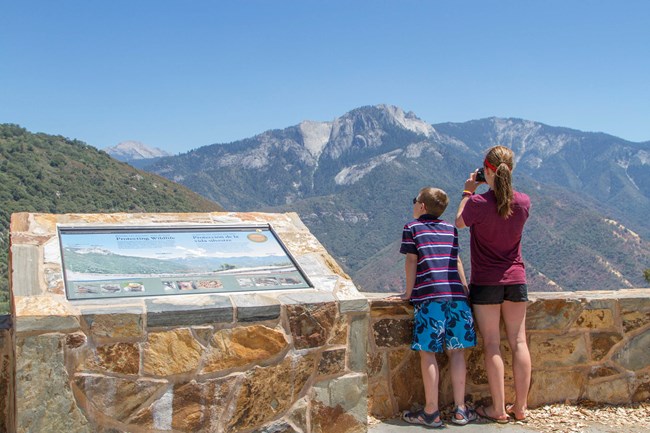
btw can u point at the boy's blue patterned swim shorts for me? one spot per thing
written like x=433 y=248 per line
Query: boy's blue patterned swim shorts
x=443 y=324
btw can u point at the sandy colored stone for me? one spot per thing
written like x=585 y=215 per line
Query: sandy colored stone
x=642 y=388
x=115 y=397
x=392 y=332
x=612 y=391
x=42 y=388
x=171 y=352
x=311 y=324
x=599 y=372
x=552 y=314
x=406 y=382
x=266 y=393
x=596 y=319
x=556 y=351
x=601 y=344
x=123 y=358
x=277 y=427
x=380 y=308
x=197 y=406
x=633 y=320
x=116 y=325
x=241 y=346
x=634 y=354
x=339 y=334
x=332 y=362
x=548 y=386
x=375 y=364
x=298 y=414
x=380 y=400
x=327 y=419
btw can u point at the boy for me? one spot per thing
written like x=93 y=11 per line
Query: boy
x=436 y=285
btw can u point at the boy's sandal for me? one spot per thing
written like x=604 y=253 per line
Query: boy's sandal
x=483 y=414
x=511 y=411
x=467 y=415
x=423 y=418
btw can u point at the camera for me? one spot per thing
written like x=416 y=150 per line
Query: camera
x=480 y=175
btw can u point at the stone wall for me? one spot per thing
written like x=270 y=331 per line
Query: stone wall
x=584 y=346
x=275 y=361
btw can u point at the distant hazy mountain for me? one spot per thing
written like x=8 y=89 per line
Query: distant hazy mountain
x=352 y=181
x=52 y=174
x=129 y=151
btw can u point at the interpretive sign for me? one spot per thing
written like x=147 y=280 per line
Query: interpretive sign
x=111 y=262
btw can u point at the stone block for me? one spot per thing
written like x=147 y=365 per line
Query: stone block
x=190 y=310
x=171 y=352
x=118 y=325
x=197 y=406
x=392 y=332
x=358 y=344
x=375 y=364
x=358 y=305
x=552 y=314
x=44 y=314
x=311 y=324
x=339 y=333
x=123 y=358
x=380 y=400
x=258 y=402
x=114 y=397
x=634 y=355
x=635 y=313
x=326 y=419
x=611 y=391
x=6 y=381
x=298 y=414
x=549 y=351
x=389 y=308
x=277 y=427
x=43 y=389
x=340 y=405
x=556 y=386
x=241 y=346
x=25 y=270
x=599 y=319
x=253 y=307
x=332 y=362
x=601 y=344
x=406 y=381
x=641 y=388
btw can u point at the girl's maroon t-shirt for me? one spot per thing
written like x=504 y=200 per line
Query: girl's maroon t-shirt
x=495 y=242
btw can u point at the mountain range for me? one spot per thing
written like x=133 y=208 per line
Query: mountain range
x=352 y=180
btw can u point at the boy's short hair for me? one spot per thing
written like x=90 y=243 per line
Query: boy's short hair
x=435 y=200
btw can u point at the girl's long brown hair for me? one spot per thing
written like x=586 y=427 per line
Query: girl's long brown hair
x=502 y=158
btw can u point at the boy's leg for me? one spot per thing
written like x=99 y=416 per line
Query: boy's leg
x=458 y=371
x=430 y=378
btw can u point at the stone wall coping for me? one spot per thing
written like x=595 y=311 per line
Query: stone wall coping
x=578 y=295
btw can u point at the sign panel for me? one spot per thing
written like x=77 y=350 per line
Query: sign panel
x=111 y=262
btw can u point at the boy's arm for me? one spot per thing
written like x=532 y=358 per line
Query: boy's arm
x=461 y=273
x=410 y=270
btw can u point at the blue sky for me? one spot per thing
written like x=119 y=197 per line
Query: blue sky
x=184 y=74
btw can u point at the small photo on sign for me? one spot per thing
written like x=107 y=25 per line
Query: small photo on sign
x=208 y=284
x=245 y=282
x=266 y=281
x=110 y=288
x=185 y=285
x=169 y=286
x=87 y=288
x=133 y=287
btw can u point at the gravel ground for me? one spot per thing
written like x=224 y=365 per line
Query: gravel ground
x=585 y=417
x=590 y=417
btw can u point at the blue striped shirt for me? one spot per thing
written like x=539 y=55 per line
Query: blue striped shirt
x=435 y=242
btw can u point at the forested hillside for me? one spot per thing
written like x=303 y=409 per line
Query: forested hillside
x=53 y=174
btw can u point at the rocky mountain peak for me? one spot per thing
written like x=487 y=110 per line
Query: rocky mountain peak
x=133 y=151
